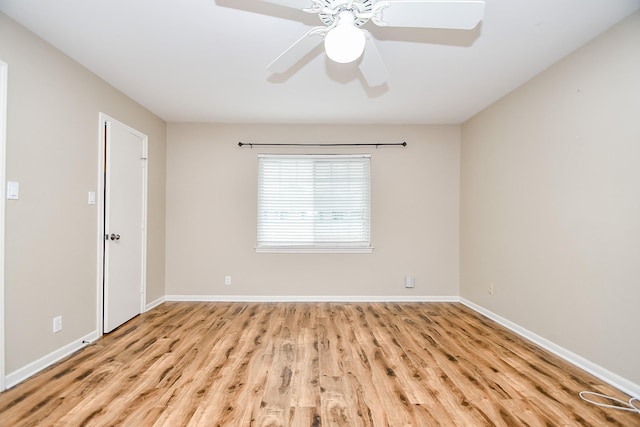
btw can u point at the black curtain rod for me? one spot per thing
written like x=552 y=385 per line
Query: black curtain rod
x=250 y=144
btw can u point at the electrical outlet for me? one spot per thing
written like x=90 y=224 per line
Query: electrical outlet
x=57 y=324
x=227 y=280
x=490 y=289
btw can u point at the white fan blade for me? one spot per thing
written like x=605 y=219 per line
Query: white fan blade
x=296 y=4
x=298 y=50
x=462 y=15
x=372 y=66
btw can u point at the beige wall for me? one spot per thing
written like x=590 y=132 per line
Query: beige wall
x=52 y=151
x=211 y=214
x=550 y=203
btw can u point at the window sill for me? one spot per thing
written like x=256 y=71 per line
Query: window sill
x=292 y=250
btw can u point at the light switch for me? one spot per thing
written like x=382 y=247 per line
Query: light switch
x=13 y=190
x=92 y=198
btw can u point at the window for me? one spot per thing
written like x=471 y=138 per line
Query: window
x=313 y=203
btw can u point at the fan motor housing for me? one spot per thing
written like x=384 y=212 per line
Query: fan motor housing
x=337 y=6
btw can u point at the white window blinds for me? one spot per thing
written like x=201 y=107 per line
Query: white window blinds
x=313 y=201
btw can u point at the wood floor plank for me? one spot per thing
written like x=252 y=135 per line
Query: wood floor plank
x=236 y=376
x=276 y=401
x=336 y=407
x=392 y=395
x=303 y=364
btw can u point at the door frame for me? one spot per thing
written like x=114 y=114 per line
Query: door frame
x=4 y=69
x=100 y=206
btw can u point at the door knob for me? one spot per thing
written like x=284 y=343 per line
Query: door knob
x=114 y=236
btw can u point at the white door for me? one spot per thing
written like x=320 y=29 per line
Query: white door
x=124 y=223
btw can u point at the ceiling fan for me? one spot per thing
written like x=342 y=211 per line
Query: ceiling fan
x=345 y=41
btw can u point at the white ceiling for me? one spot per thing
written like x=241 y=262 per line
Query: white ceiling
x=204 y=60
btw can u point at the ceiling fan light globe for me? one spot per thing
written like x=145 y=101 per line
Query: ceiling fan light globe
x=344 y=43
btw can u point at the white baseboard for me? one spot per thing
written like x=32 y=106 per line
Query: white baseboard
x=598 y=371
x=154 y=303
x=310 y=298
x=33 y=368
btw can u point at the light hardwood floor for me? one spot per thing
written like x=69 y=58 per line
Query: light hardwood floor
x=303 y=364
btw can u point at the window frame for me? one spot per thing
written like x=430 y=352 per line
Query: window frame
x=317 y=247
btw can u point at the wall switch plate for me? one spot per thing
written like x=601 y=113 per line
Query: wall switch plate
x=227 y=280
x=409 y=281
x=13 y=190
x=57 y=324
x=91 y=198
